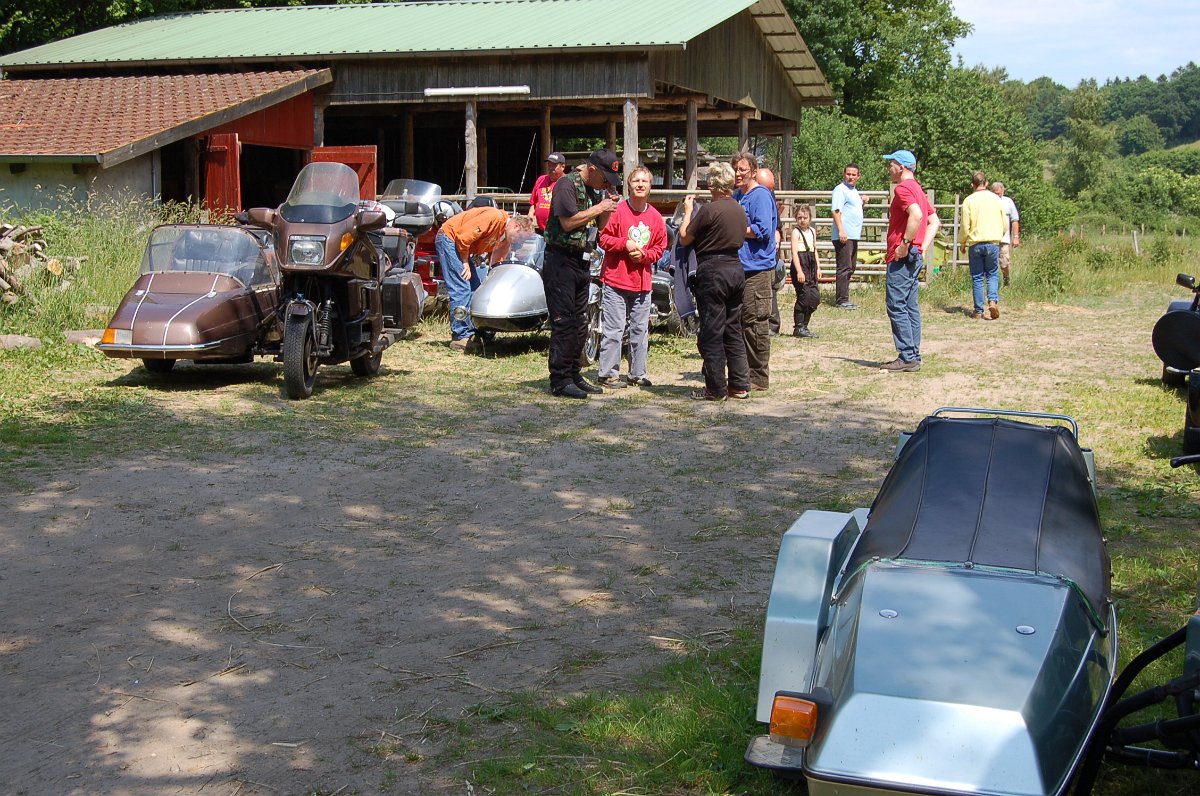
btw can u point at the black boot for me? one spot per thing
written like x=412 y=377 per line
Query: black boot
x=801 y=329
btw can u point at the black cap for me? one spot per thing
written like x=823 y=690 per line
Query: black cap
x=610 y=167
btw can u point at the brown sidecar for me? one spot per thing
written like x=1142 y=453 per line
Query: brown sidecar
x=206 y=293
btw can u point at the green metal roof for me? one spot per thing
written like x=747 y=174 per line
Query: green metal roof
x=388 y=30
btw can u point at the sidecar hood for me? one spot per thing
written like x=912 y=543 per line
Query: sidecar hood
x=957 y=680
x=511 y=290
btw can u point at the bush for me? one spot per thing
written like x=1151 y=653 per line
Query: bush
x=109 y=235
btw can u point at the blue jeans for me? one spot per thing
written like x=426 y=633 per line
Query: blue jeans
x=460 y=290
x=984 y=259
x=903 y=309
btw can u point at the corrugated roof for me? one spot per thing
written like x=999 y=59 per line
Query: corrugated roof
x=389 y=29
x=107 y=120
x=413 y=29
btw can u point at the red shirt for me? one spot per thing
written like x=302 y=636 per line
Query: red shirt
x=627 y=224
x=539 y=197
x=907 y=193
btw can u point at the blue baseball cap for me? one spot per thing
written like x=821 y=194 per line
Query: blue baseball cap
x=905 y=158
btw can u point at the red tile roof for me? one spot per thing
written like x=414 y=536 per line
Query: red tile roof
x=110 y=119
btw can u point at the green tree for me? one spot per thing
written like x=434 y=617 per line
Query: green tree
x=1137 y=135
x=1089 y=145
x=865 y=47
x=1044 y=104
x=825 y=142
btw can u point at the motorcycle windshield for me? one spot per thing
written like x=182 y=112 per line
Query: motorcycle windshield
x=418 y=191
x=324 y=193
x=528 y=252
x=211 y=249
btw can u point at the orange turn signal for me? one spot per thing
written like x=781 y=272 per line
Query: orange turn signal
x=793 y=720
x=347 y=239
x=109 y=336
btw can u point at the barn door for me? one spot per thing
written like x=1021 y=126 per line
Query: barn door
x=359 y=158
x=222 y=173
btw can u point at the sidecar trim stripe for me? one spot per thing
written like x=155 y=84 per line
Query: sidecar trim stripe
x=211 y=291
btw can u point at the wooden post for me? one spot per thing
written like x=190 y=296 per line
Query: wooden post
x=957 y=227
x=629 y=155
x=483 y=156
x=692 y=159
x=408 y=145
x=547 y=142
x=669 y=163
x=318 y=123
x=785 y=159
x=472 y=158
x=743 y=131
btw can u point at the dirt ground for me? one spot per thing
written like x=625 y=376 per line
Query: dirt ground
x=282 y=612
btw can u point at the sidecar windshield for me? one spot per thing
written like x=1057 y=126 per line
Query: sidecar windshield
x=232 y=251
x=528 y=252
x=324 y=193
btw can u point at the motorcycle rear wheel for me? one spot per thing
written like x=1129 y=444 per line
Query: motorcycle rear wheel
x=366 y=365
x=591 y=336
x=299 y=357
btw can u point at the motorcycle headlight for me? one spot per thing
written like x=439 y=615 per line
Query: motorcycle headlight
x=306 y=250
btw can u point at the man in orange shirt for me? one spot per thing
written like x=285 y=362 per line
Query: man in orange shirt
x=478 y=231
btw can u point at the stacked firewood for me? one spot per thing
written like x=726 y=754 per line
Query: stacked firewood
x=23 y=260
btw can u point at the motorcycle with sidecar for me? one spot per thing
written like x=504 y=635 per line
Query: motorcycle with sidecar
x=344 y=298
x=959 y=636
x=1176 y=340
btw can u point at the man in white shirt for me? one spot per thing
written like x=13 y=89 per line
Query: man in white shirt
x=1012 y=235
x=847 y=209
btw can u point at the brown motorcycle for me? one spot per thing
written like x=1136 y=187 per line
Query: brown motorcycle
x=344 y=297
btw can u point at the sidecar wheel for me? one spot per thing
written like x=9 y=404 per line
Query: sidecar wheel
x=299 y=357
x=366 y=366
x=591 y=340
x=158 y=366
x=1173 y=379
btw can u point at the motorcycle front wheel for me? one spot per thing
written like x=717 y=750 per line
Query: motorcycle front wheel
x=299 y=357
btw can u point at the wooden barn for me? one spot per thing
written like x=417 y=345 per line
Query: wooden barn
x=466 y=93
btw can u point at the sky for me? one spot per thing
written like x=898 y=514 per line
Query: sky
x=1070 y=40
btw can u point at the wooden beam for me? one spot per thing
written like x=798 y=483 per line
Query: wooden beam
x=785 y=159
x=630 y=129
x=669 y=164
x=547 y=141
x=692 y=161
x=408 y=148
x=472 y=146
x=610 y=133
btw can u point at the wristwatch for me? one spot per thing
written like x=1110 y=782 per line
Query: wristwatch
x=905 y=242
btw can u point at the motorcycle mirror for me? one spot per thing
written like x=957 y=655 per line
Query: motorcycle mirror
x=369 y=220
x=1186 y=280
x=260 y=216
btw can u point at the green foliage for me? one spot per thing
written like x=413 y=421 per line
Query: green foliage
x=826 y=141
x=1089 y=146
x=865 y=48
x=957 y=125
x=1137 y=135
x=109 y=235
x=1044 y=104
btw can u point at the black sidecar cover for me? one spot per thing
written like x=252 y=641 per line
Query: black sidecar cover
x=1024 y=488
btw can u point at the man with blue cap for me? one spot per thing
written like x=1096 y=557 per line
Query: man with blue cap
x=912 y=226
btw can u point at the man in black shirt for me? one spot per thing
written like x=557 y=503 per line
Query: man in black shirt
x=578 y=203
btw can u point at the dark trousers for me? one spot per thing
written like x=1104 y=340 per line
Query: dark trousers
x=808 y=294
x=756 y=316
x=720 y=284
x=567 y=280
x=845 y=253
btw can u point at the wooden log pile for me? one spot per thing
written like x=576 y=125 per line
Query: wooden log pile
x=23 y=260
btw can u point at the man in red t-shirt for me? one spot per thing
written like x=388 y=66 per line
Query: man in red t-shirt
x=912 y=226
x=543 y=189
